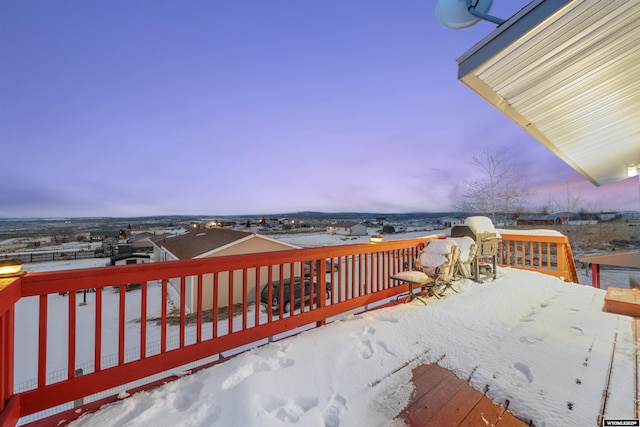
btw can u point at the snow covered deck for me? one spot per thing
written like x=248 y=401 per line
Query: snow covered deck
x=527 y=342
x=519 y=338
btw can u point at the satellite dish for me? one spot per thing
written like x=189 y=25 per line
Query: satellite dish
x=459 y=14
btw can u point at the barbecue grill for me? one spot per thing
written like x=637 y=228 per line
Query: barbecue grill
x=487 y=249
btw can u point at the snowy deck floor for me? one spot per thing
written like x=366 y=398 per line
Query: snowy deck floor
x=525 y=345
x=441 y=398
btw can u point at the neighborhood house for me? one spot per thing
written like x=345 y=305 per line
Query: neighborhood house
x=348 y=229
x=217 y=242
x=549 y=219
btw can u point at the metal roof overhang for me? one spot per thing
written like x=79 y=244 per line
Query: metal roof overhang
x=568 y=72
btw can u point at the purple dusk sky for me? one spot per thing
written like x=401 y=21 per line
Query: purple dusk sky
x=151 y=107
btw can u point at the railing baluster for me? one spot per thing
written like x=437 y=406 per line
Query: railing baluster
x=216 y=299
x=5 y=384
x=183 y=310
x=385 y=269
x=245 y=297
x=354 y=284
x=71 y=337
x=143 y=320
x=42 y=341
x=200 y=297
x=6 y=355
x=230 y=304
x=313 y=276
x=281 y=290
x=292 y=287
x=269 y=293
x=342 y=261
x=531 y=254
x=163 y=315
x=256 y=321
x=97 y=351
x=348 y=292
x=121 y=323
x=365 y=274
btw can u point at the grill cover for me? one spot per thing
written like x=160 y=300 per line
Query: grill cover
x=487 y=242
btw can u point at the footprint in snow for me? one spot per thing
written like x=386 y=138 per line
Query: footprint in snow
x=183 y=400
x=530 y=339
x=528 y=317
x=332 y=416
x=289 y=411
x=388 y=319
x=365 y=348
x=576 y=331
x=524 y=370
x=383 y=346
x=368 y=331
x=259 y=366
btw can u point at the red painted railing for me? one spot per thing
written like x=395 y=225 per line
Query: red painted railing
x=550 y=254
x=358 y=276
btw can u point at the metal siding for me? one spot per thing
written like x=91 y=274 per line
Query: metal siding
x=572 y=81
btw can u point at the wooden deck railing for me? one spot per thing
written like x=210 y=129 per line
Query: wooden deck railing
x=162 y=339
x=550 y=254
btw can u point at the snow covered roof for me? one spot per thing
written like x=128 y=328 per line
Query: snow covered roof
x=345 y=224
x=196 y=243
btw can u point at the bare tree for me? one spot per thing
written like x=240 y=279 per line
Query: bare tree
x=572 y=202
x=499 y=191
x=568 y=204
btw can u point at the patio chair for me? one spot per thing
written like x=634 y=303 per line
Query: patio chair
x=433 y=269
x=438 y=260
x=468 y=251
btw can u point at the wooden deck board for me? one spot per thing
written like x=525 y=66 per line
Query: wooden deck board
x=457 y=408
x=432 y=402
x=440 y=398
x=507 y=419
x=486 y=412
x=622 y=301
x=428 y=380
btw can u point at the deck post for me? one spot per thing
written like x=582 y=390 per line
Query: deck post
x=595 y=275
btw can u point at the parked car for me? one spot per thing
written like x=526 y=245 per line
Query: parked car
x=307 y=267
x=78 y=291
x=275 y=302
x=128 y=287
